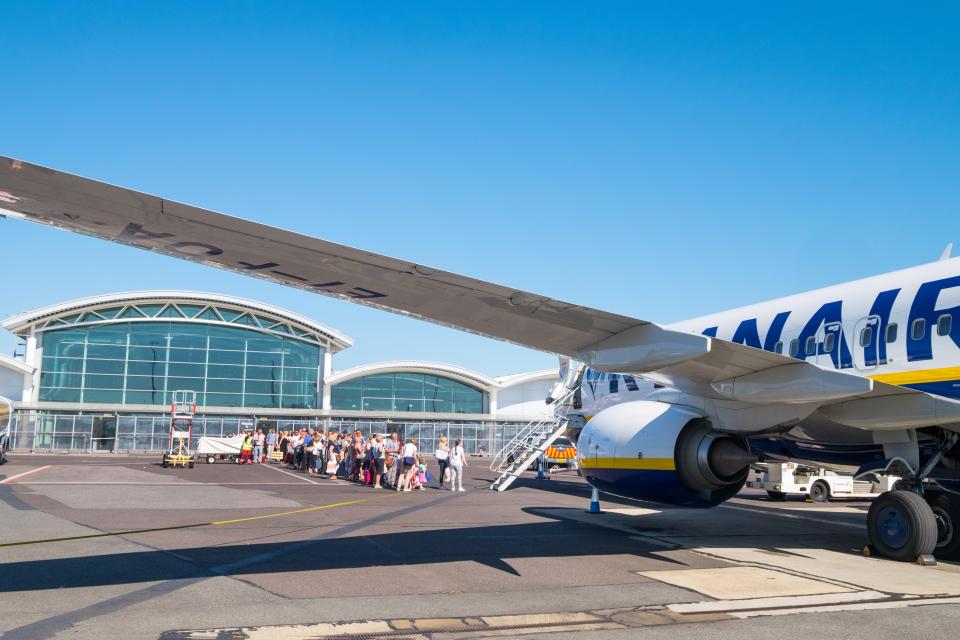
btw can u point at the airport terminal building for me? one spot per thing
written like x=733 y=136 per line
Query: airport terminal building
x=99 y=374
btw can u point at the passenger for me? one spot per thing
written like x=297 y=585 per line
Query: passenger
x=408 y=465
x=378 y=456
x=392 y=459
x=359 y=449
x=271 y=443
x=458 y=460
x=441 y=454
x=333 y=455
x=309 y=458
x=258 y=442
x=246 y=449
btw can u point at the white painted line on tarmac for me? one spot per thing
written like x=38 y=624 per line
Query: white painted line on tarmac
x=293 y=475
x=781 y=602
x=775 y=512
x=25 y=473
x=860 y=606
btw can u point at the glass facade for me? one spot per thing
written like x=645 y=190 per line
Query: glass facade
x=414 y=392
x=145 y=362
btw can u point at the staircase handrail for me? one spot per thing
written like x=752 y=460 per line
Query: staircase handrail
x=537 y=425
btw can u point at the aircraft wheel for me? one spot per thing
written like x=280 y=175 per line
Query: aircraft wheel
x=946 y=511
x=820 y=491
x=191 y=464
x=901 y=526
x=211 y=459
x=776 y=496
x=165 y=463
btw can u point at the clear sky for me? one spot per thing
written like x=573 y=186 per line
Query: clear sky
x=661 y=160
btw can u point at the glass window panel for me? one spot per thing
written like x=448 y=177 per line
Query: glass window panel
x=298 y=402
x=59 y=394
x=438 y=406
x=144 y=397
x=66 y=365
x=229 y=314
x=299 y=388
x=183 y=370
x=226 y=357
x=94 y=381
x=224 y=386
x=379 y=384
x=147 y=337
x=944 y=324
x=138 y=368
x=147 y=353
x=271 y=345
x=253 y=400
x=112 y=352
x=130 y=312
x=377 y=404
x=342 y=397
x=266 y=322
x=247 y=320
x=116 y=335
x=188 y=355
x=224 y=400
x=408 y=405
x=150 y=309
x=105 y=366
x=60 y=379
x=262 y=386
x=190 y=310
x=176 y=384
x=918 y=329
x=263 y=373
x=224 y=371
x=208 y=314
x=264 y=359
x=145 y=383
x=102 y=395
x=188 y=341
x=170 y=312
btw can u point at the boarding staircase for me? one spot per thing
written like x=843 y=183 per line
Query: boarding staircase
x=530 y=443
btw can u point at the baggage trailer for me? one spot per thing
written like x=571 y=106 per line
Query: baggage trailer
x=819 y=485
x=212 y=449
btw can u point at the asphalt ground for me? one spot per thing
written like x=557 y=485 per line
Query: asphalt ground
x=118 y=547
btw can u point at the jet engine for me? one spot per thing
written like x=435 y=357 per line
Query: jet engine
x=664 y=453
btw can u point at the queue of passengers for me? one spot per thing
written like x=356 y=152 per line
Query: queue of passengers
x=377 y=460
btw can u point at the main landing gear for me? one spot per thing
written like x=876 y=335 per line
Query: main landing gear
x=918 y=518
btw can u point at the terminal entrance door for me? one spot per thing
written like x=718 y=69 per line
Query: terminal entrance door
x=104 y=433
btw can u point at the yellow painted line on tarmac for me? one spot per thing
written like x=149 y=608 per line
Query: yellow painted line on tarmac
x=200 y=524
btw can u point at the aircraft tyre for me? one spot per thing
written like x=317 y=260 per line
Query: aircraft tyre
x=946 y=511
x=820 y=491
x=901 y=526
x=776 y=496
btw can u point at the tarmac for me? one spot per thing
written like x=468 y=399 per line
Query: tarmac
x=102 y=546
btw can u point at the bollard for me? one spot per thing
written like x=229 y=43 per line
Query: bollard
x=594 y=502
x=541 y=464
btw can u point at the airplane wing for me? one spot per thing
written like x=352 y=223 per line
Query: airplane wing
x=606 y=341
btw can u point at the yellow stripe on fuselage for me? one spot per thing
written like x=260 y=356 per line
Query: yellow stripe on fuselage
x=649 y=464
x=918 y=377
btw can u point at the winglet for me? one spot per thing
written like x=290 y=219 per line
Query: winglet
x=947 y=252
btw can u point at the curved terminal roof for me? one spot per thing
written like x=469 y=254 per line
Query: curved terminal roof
x=460 y=374
x=466 y=376
x=176 y=306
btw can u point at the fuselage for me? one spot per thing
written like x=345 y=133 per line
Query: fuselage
x=902 y=327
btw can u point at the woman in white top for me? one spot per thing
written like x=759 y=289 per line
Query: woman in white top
x=457 y=460
x=408 y=462
x=443 y=450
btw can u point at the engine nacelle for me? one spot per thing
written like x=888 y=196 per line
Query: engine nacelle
x=662 y=452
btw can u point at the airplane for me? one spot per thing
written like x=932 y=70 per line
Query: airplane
x=864 y=374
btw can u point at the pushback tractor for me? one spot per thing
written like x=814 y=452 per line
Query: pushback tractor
x=181 y=429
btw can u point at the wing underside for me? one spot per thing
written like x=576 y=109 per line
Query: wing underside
x=607 y=341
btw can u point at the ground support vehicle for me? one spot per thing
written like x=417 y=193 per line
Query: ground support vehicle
x=819 y=485
x=212 y=449
x=181 y=428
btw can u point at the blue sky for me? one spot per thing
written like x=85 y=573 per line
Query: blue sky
x=661 y=160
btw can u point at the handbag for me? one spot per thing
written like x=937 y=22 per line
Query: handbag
x=409 y=461
x=332 y=468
